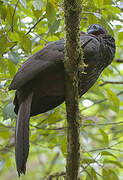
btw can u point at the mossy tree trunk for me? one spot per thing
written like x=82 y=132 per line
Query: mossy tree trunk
x=73 y=59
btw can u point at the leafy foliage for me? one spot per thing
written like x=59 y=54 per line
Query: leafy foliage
x=25 y=27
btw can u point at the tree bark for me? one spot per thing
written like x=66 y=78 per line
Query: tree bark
x=72 y=61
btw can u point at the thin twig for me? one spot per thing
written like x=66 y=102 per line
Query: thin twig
x=40 y=19
x=105 y=148
x=8 y=127
x=111 y=82
x=83 y=125
x=85 y=169
x=57 y=175
x=119 y=60
x=13 y=16
x=100 y=101
x=60 y=128
x=102 y=124
x=29 y=30
x=51 y=165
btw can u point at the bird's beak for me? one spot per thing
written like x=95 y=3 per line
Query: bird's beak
x=92 y=31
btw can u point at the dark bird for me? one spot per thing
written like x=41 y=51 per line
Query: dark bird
x=40 y=81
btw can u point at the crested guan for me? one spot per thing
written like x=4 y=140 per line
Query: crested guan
x=40 y=81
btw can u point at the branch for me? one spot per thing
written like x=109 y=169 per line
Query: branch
x=83 y=125
x=8 y=146
x=84 y=169
x=13 y=16
x=72 y=61
x=101 y=101
x=57 y=175
x=40 y=19
x=50 y=129
x=119 y=60
x=110 y=147
x=111 y=82
x=102 y=124
x=51 y=166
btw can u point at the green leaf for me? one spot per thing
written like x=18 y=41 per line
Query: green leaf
x=7 y=159
x=3 y=11
x=63 y=144
x=54 y=27
x=112 y=9
x=50 y=13
x=10 y=18
x=109 y=174
x=107 y=2
x=37 y=13
x=89 y=177
x=25 y=42
x=14 y=36
x=98 y=3
x=23 y=2
x=114 y=100
x=92 y=18
x=37 y=4
x=120 y=35
x=8 y=111
x=113 y=175
x=105 y=174
x=106 y=153
x=93 y=173
x=53 y=118
x=3 y=44
x=105 y=137
x=14 y=57
x=8 y=162
x=113 y=162
x=4 y=132
x=86 y=160
x=54 y=3
x=11 y=68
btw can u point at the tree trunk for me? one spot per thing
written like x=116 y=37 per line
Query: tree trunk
x=73 y=59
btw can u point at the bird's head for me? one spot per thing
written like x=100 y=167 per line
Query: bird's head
x=96 y=29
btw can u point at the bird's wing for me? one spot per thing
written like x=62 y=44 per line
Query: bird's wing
x=47 y=57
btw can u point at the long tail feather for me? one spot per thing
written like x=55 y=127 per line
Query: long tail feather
x=22 y=135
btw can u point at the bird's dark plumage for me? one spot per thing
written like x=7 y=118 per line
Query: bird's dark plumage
x=40 y=82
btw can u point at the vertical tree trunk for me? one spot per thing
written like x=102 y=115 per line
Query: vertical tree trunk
x=73 y=59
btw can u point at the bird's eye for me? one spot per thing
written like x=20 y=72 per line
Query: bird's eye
x=101 y=31
x=95 y=27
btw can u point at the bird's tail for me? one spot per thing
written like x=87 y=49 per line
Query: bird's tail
x=22 y=135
